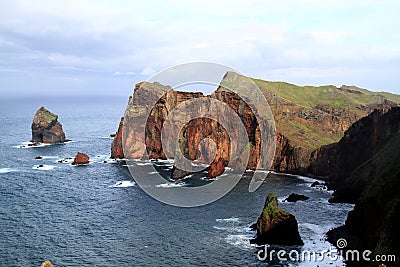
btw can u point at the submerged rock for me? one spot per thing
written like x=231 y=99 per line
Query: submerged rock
x=296 y=197
x=81 y=159
x=47 y=264
x=315 y=184
x=275 y=226
x=178 y=173
x=46 y=128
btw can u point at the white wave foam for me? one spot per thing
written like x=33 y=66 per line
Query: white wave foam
x=44 y=167
x=50 y=157
x=144 y=163
x=107 y=137
x=240 y=240
x=65 y=160
x=167 y=160
x=282 y=199
x=233 y=219
x=171 y=185
x=31 y=145
x=7 y=170
x=110 y=160
x=309 y=179
x=194 y=164
x=215 y=178
x=123 y=184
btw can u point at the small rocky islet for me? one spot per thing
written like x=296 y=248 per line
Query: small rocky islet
x=276 y=226
x=46 y=128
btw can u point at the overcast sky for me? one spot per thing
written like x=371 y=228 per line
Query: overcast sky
x=105 y=47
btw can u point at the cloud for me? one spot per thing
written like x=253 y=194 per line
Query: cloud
x=147 y=71
x=302 y=42
x=128 y=73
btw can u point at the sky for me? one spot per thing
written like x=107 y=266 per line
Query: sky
x=105 y=47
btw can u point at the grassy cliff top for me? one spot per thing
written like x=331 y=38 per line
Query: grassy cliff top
x=344 y=97
x=313 y=116
x=44 y=115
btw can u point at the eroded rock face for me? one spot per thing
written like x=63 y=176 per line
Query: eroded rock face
x=373 y=184
x=292 y=154
x=81 y=159
x=116 y=146
x=192 y=134
x=275 y=226
x=360 y=143
x=46 y=128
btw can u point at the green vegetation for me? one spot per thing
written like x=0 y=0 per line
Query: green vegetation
x=347 y=102
x=44 y=115
x=310 y=96
x=313 y=116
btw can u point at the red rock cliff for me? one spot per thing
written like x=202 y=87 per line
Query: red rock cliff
x=293 y=148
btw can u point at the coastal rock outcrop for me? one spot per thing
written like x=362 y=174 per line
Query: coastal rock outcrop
x=46 y=128
x=275 y=226
x=375 y=181
x=339 y=161
x=303 y=124
x=116 y=145
x=81 y=159
x=296 y=197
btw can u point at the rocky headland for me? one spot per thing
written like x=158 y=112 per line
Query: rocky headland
x=369 y=158
x=306 y=118
x=46 y=128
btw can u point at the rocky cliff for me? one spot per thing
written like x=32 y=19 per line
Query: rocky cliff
x=46 y=128
x=339 y=162
x=303 y=125
x=372 y=181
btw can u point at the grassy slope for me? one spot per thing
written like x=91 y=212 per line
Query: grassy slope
x=310 y=96
x=311 y=135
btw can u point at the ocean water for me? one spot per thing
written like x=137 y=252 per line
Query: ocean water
x=96 y=215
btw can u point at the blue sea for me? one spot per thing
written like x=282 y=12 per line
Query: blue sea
x=96 y=215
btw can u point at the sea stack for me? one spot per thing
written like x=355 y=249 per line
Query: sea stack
x=81 y=159
x=46 y=128
x=276 y=226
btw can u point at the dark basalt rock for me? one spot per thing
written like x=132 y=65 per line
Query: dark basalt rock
x=178 y=174
x=275 y=226
x=296 y=197
x=315 y=184
x=38 y=157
